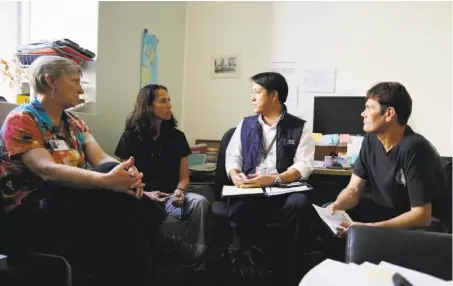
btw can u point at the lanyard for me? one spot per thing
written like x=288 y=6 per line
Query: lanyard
x=266 y=152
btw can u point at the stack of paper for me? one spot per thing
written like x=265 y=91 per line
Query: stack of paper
x=229 y=191
x=334 y=273
x=199 y=149
x=196 y=159
x=206 y=167
x=332 y=220
x=291 y=188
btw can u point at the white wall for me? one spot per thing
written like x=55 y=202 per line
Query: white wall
x=368 y=42
x=211 y=106
x=121 y=26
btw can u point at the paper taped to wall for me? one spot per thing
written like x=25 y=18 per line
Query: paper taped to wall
x=319 y=80
x=283 y=67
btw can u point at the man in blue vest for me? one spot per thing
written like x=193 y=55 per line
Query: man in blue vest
x=269 y=148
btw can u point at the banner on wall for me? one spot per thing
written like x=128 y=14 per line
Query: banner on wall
x=149 y=59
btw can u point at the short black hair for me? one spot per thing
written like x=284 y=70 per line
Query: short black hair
x=272 y=81
x=392 y=94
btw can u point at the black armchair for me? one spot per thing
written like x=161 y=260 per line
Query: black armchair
x=220 y=206
x=34 y=267
x=427 y=252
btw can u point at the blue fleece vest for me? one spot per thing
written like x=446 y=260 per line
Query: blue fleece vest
x=289 y=131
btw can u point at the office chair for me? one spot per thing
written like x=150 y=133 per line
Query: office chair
x=33 y=267
x=428 y=252
x=220 y=207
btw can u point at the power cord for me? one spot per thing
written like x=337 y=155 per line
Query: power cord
x=333 y=154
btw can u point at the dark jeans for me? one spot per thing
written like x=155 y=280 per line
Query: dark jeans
x=249 y=216
x=99 y=231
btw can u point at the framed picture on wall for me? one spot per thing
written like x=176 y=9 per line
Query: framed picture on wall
x=226 y=66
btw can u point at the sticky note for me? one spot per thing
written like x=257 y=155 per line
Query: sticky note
x=330 y=139
x=317 y=137
x=344 y=138
x=334 y=138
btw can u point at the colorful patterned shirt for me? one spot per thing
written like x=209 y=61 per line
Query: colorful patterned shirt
x=29 y=127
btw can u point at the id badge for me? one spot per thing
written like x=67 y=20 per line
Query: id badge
x=262 y=169
x=58 y=145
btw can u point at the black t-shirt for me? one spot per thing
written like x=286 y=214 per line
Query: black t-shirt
x=409 y=175
x=159 y=160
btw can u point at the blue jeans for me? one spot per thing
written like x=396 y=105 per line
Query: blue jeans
x=193 y=212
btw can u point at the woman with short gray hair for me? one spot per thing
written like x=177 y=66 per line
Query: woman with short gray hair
x=51 y=197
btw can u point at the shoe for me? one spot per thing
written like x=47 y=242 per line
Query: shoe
x=174 y=248
x=200 y=267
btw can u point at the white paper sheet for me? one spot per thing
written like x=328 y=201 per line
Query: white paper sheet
x=229 y=191
x=319 y=80
x=275 y=191
x=283 y=67
x=332 y=220
x=334 y=273
x=288 y=70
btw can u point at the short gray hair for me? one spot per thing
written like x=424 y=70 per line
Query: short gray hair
x=54 y=66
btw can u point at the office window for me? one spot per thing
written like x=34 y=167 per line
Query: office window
x=23 y=22
x=65 y=19
x=9 y=27
x=72 y=20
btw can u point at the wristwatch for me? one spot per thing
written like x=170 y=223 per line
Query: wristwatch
x=277 y=180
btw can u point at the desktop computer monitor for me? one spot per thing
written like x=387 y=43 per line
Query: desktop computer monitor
x=338 y=115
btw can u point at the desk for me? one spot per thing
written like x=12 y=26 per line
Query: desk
x=333 y=172
x=202 y=184
x=325 y=150
x=330 y=182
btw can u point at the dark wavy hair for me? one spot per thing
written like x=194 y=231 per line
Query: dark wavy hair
x=392 y=94
x=140 y=120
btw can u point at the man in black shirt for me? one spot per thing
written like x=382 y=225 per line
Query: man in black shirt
x=402 y=167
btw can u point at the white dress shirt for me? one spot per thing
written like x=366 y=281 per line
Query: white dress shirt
x=303 y=159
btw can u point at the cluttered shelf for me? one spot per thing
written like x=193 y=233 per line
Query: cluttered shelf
x=14 y=68
x=203 y=161
x=333 y=172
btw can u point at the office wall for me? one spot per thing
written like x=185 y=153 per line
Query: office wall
x=368 y=42
x=211 y=106
x=121 y=26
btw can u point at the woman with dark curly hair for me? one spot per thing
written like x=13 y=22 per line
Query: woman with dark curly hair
x=161 y=153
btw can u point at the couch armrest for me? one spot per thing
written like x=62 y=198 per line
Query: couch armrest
x=40 y=268
x=427 y=252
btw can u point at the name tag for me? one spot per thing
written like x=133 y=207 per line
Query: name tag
x=288 y=142
x=58 y=145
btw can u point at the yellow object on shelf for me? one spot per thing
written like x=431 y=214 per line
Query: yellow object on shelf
x=22 y=98
x=317 y=137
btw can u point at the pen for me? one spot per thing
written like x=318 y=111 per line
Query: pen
x=399 y=280
x=169 y=197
